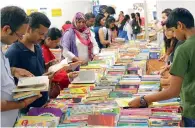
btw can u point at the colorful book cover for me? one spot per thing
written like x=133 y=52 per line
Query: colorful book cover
x=102 y=120
x=37 y=121
x=51 y=112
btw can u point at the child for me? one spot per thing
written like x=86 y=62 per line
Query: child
x=182 y=70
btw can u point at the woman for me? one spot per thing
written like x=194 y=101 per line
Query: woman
x=52 y=41
x=125 y=29
x=136 y=25
x=121 y=17
x=77 y=42
x=168 y=50
x=105 y=33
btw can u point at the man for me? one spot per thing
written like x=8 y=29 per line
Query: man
x=90 y=20
x=182 y=70
x=13 y=26
x=27 y=53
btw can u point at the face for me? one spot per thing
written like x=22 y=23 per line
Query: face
x=121 y=13
x=11 y=37
x=37 y=35
x=111 y=25
x=169 y=33
x=90 y=22
x=52 y=43
x=136 y=16
x=164 y=17
x=180 y=31
x=81 y=24
x=102 y=21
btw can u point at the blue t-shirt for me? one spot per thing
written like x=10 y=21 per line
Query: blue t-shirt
x=21 y=57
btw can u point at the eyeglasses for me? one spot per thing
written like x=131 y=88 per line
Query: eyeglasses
x=19 y=35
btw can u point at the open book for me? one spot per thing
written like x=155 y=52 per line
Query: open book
x=59 y=66
x=39 y=83
x=85 y=76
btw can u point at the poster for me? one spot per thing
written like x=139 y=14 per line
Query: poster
x=56 y=12
x=99 y=9
x=29 y=11
x=43 y=10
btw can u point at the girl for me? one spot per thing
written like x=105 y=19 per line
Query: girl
x=52 y=41
x=125 y=29
x=136 y=25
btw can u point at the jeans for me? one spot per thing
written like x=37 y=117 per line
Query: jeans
x=189 y=122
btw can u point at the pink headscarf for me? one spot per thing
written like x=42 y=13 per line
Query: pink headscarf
x=83 y=34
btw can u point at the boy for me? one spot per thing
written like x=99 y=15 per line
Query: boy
x=182 y=70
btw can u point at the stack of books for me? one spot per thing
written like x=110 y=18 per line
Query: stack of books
x=30 y=86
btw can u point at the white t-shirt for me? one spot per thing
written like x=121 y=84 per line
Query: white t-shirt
x=106 y=30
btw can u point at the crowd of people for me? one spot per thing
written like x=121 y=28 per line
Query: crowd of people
x=31 y=39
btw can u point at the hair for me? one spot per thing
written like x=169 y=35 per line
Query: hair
x=180 y=15
x=122 y=12
x=53 y=34
x=168 y=42
x=126 y=18
x=133 y=15
x=67 y=22
x=109 y=21
x=13 y=16
x=167 y=11
x=89 y=16
x=37 y=19
x=110 y=10
x=98 y=18
x=138 y=14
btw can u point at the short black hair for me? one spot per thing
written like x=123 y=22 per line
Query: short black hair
x=167 y=11
x=13 y=16
x=109 y=21
x=133 y=15
x=67 y=22
x=37 y=19
x=110 y=10
x=54 y=33
x=98 y=18
x=89 y=16
x=182 y=15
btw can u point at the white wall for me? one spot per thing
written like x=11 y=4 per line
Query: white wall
x=125 y=5
x=69 y=8
x=163 y=4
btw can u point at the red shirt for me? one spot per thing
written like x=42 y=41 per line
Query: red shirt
x=66 y=26
x=61 y=76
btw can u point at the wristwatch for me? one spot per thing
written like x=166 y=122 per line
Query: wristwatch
x=143 y=102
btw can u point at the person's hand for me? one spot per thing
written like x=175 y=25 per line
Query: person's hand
x=135 y=103
x=30 y=100
x=49 y=74
x=73 y=75
x=19 y=72
x=162 y=58
x=53 y=62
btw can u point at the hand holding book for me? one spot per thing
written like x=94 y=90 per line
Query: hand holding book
x=19 y=72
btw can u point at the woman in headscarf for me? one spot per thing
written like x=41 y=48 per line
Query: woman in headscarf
x=77 y=41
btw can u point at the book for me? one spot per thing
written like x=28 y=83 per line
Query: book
x=59 y=66
x=23 y=95
x=38 y=83
x=37 y=121
x=86 y=76
x=123 y=102
x=51 y=112
x=102 y=120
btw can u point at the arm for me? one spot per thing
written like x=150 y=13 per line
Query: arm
x=95 y=46
x=178 y=70
x=129 y=31
x=11 y=105
x=101 y=36
x=66 y=40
